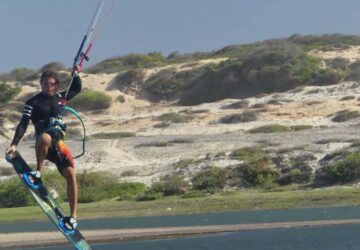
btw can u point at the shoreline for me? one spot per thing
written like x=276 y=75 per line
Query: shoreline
x=16 y=240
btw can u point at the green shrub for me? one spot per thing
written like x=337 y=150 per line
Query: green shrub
x=345 y=115
x=341 y=171
x=247 y=116
x=300 y=127
x=173 y=118
x=112 y=135
x=155 y=144
x=149 y=196
x=347 y=98
x=327 y=41
x=168 y=82
x=53 y=66
x=91 y=100
x=19 y=74
x=120 y=98
x=248 y=154
x=127 y=62
x=7 y=171
x=184 y=163
x=237 y=105
x=210 y=179
x=273 y=128
x=128 y=173
x=337 y=63
x=96 y=186
x=294 y=176
x=8 y=92
x=352 y=72
x=128 y=80
x=14 y=194
x=273 y=66
x=256 y=173
x=195 y=194
x=174 y=185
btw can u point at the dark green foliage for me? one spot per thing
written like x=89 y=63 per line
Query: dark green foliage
x=347 y=98
x=173 y=118
x=149 y=196
x=294 y=176
x=255 y=173
x=247 y=116
x=8 y=92
x=326 y=77
x=345 y=115
x=7 y=171
x=14 y=194
x=341 y=171
x=248 y=154
x=338 y=63
x=97 y=186
x=300 y=127
x=325 y=42
x=128 y=62
x=127 y=81
x=169 y=82
x=195 y=194
x=237 y=105
x=112 y=135
x=91 y=100
x=211 y=178
x=53 y=66
x=174 y=185
x=353 y=71
x=141 y=61
x=94 y=186
x=273 y=66
x=276 y=128
x=164 y=143
x=19 y=74
x=298 y=172
x=273 y=128
x=184 y=163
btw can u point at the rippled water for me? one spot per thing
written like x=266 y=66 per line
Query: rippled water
x=337 y=237
x=333 y=237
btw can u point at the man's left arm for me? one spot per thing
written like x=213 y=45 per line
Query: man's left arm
x=75 y=87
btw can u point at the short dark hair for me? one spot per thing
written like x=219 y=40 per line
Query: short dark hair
x=49 y=73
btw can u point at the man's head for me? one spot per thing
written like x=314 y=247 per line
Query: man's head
x=49 y=82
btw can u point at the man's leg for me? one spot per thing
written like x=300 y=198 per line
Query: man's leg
x=72 y=189
x=42 y=147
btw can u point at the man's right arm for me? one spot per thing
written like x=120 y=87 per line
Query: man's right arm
x=21 y=128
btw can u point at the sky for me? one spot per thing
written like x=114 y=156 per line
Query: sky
x=37 y=32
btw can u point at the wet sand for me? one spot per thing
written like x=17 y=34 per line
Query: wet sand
x=39 y=239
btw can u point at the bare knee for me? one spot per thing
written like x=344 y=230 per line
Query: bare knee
x=44 y=140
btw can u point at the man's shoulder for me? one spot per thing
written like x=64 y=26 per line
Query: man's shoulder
x=34 y=99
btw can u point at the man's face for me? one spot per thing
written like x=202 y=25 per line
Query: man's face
x=49 y=86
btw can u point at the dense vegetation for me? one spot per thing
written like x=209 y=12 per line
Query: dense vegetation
x=94 y=186
x=257 y=168
x=8 y=92
x=250 y=69
x=91 y=100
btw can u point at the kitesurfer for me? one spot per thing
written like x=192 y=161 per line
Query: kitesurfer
x=45 y=112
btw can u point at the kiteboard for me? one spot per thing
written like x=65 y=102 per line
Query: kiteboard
x=46 y=201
